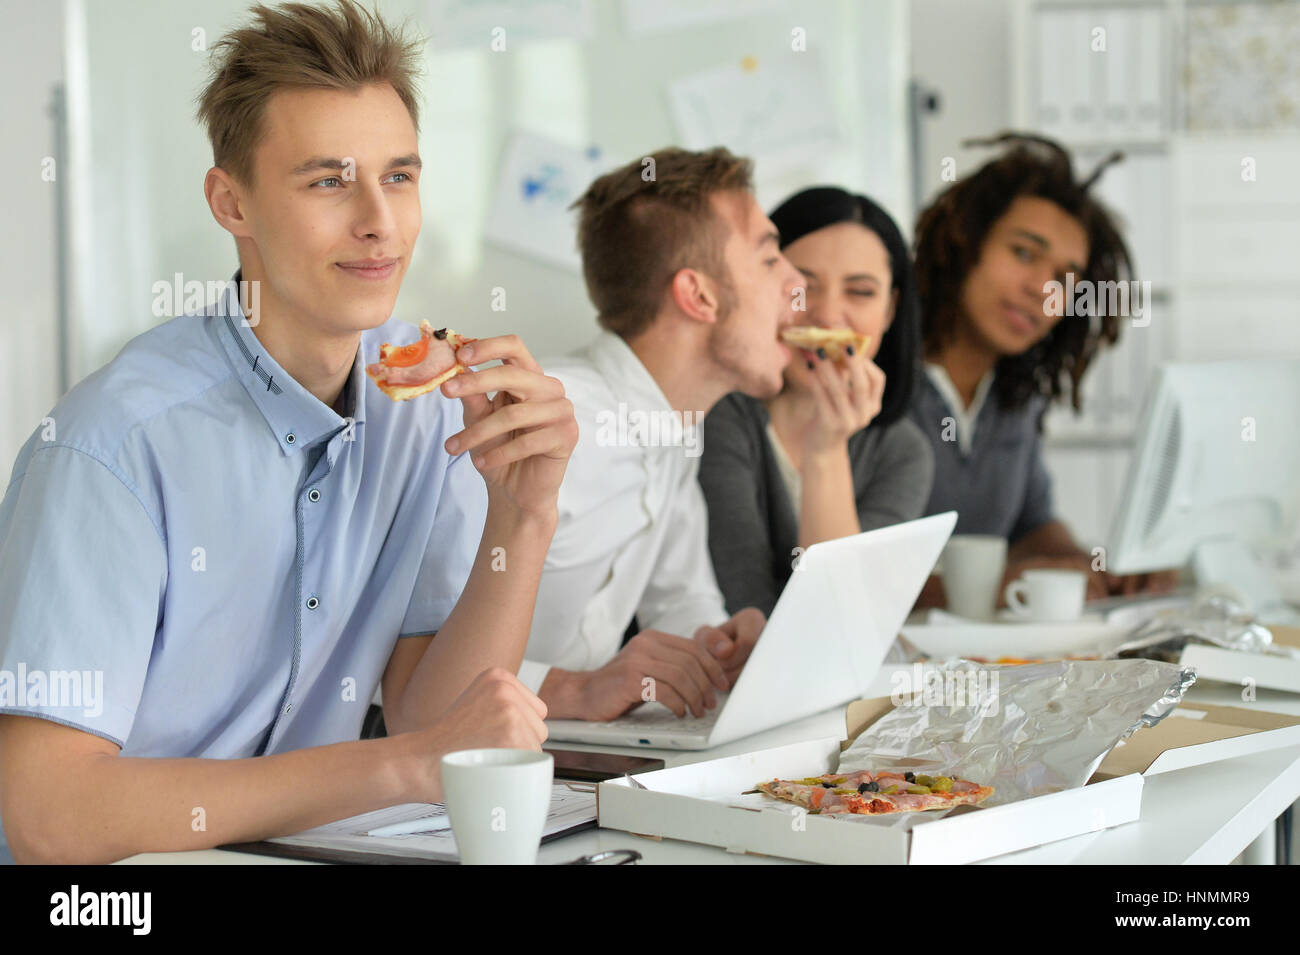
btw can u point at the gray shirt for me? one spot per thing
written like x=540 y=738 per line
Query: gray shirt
x=754 y=524
x=1001 y=486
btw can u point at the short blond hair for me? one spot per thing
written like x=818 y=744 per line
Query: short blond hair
x=636 y=231
x=302 y=46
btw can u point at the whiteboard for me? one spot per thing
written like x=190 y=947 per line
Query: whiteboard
x=138 y=156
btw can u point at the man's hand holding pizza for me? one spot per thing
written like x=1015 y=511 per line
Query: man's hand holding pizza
x=521 y=438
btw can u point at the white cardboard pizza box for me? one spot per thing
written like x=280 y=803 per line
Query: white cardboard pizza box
x=691 y=803
x=1264 y=669
x=1197 y=733
x=697 y=803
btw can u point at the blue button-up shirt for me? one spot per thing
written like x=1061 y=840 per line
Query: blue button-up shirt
x=229 y=558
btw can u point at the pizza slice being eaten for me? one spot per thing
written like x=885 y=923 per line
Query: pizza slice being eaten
x=833 y=340
x=407 y=371
x=876 y=793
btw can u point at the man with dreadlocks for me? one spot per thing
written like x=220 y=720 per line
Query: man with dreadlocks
x=998 y=349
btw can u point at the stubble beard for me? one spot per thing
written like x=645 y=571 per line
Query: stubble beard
x=730 y=351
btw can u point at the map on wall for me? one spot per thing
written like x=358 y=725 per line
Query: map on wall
x=1243 y=66
x=538 y=180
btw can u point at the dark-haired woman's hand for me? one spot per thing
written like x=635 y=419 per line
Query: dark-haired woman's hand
x=848 y=394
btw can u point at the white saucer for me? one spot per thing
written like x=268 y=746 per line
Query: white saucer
x=944 y=635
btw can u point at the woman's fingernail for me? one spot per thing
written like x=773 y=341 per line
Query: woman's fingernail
x=452 y=387
x=465 y=353
x=821 y=353
x=452 y=445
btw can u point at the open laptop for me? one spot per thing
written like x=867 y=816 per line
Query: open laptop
x=822 y=646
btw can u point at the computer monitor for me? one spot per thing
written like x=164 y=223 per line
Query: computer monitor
x=1215 y=478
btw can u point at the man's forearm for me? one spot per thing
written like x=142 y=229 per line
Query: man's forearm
x=112 y=807
x=490 y=623
x=932 y=594
x=1052 y=539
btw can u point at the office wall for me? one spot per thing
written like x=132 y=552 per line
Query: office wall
x=31 y=62
x=962 y=48
x=141 y=215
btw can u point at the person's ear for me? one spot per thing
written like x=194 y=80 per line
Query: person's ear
x=225 y=200
x=694 y=295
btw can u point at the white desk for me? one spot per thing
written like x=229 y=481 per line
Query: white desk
x=1175 y=827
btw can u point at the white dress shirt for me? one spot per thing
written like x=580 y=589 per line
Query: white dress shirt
x=789 y=473
x=632 y=537
x=963 y=417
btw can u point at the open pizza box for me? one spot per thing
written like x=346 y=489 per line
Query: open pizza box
x=1198 y=733
x=700 y=802
x=1266 y=670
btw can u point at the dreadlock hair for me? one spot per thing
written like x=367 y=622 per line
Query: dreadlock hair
x=950 y=236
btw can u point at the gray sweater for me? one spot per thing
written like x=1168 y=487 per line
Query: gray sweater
x=753 y=523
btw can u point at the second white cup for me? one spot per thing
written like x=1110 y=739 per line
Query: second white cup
x=1047 y=596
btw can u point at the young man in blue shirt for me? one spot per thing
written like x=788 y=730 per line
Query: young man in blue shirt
x=216 y=547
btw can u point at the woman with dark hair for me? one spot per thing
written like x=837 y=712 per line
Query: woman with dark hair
x=834 y=453
x=1000 y=343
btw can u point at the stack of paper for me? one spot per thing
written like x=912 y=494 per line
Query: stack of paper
x=570 y=809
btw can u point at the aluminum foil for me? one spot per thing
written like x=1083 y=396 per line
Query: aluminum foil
x=1026 y=730
x=1215 y=618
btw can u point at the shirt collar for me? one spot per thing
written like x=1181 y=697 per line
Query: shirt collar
x=964 y=417
x=627 y=376
x=296 y=417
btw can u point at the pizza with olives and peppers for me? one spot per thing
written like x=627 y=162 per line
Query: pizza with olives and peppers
x=406 y=371
x=869 y=793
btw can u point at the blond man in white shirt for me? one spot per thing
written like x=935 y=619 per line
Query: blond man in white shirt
x=691 y=291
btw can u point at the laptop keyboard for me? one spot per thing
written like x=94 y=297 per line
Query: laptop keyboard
x=658 y=716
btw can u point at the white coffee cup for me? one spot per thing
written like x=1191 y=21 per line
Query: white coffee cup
x=1046 y=595
x=972 y=566
x=497 y=801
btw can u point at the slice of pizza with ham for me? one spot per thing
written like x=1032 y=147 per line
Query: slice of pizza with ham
x=407 y=371
x=876 y=793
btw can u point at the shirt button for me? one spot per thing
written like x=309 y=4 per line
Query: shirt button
x=313 y=495
x=312 y=602
x=289 y=438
